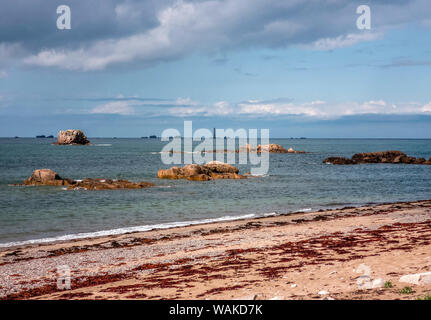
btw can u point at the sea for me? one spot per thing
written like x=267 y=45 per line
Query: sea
x=294 y=182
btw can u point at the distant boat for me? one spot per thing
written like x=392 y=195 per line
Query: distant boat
x=153 y=137
x=41 y=136
x=16 y=137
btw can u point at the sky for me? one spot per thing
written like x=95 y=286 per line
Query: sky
x=132 y=68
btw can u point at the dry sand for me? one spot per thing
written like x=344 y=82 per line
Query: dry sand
x=293 y=256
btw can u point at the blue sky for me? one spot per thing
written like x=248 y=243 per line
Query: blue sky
x=133 y=68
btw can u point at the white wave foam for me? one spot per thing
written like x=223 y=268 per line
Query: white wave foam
x=305 y=210
x=103 y=145
x=270 y=214
x=125 y=230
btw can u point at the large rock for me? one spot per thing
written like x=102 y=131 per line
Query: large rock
x=72 y=137
x=211 y=171
x=377 y=157
x=418 y=278
x=47 y=177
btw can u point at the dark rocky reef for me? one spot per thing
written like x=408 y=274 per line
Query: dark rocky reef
x=377 y=157
x=271 y=148
x=47 y=177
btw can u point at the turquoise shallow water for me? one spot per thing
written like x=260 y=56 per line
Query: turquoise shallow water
x=295 y=182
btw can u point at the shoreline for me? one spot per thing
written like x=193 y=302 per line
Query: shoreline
x=176 y=224
x=290 y=256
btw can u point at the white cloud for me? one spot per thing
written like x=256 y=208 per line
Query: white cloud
x=343 y=41
x=427 y=107
x=115 y=107
x=186 y=101
x=318 y=108
x=187 y=27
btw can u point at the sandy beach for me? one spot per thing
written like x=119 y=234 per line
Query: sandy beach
x=318 y=255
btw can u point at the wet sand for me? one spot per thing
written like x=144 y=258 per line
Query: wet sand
x=293 y=256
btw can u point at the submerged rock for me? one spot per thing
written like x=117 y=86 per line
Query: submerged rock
x=47 y=177
x=108 y=184
x=72 y=137
x=211 y=171
x=271 y=148
x=377 y=157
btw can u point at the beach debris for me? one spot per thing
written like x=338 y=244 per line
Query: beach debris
x=72 y=137
x=277 y=298
x=293 y=285
x=377 y=157
x=323 y=292
x=378 y=283
x=47 y=177
x=211 y=171
x=250 y=297
x=418 y=278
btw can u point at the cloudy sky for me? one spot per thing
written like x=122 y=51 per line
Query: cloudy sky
x=131 y=68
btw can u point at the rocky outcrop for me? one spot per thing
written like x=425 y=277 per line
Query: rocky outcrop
x=378 y=157
x=72 y=137
x=211 y=171
x=108 y=184
x=271 y=148
x=47 y=177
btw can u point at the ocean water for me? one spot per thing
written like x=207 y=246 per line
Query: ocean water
x=294 y=182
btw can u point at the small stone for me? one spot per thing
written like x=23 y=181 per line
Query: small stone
x=378 y=283
x=251 y=297
x=293 y=285
x=323 y=292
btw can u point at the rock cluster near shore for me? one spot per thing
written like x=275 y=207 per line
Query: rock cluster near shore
x=72 y=137
x=47 y=177
x=378 y=157
x=211 y=171
x=271 y=148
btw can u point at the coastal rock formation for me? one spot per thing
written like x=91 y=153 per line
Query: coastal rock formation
x=72 y=137
x=108 y=184
x=271 y=148
x=211 y=171
x=377 y=157
x=47 y=177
